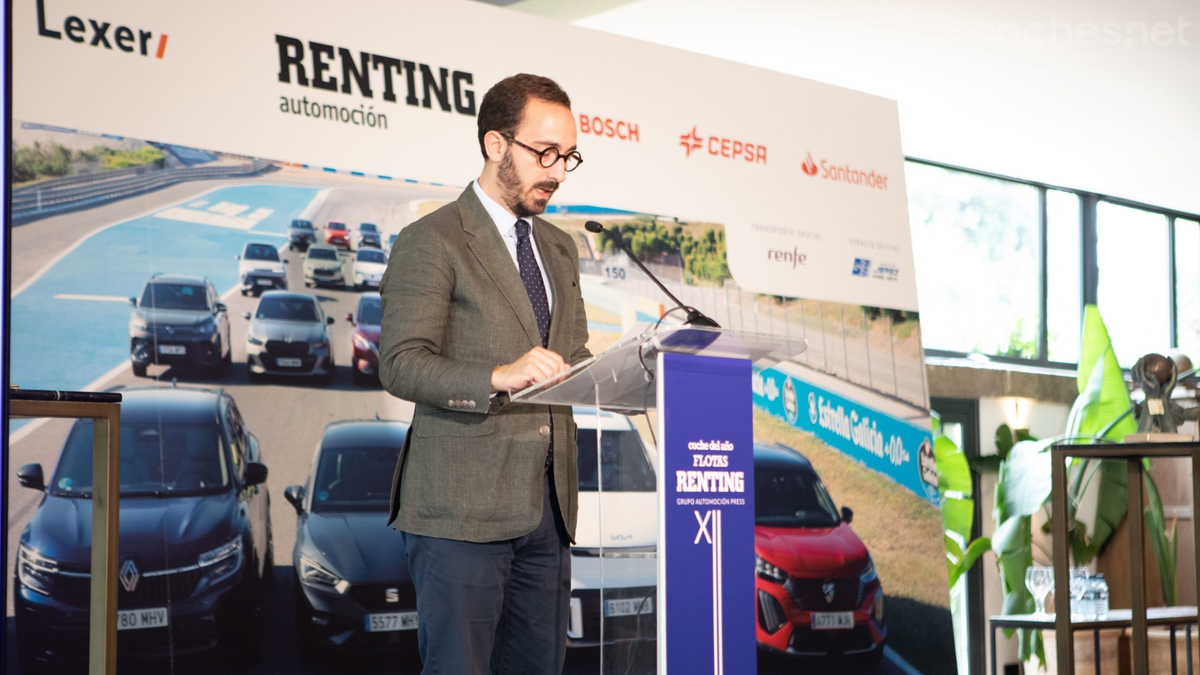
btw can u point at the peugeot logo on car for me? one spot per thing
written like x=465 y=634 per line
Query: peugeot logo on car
x=129 y=575
x=827 y=588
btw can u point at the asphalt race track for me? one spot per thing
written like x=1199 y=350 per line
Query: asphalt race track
x=69 y=331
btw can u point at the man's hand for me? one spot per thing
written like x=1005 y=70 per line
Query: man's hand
x=536 y=365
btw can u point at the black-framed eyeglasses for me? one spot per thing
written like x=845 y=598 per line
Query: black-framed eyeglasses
x=547 y=157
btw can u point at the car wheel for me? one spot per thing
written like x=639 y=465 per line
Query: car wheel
x=139 y=369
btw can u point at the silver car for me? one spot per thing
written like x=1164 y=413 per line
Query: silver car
x=322 y=266
x=289 y=335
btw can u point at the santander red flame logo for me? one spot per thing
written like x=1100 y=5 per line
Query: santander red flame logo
x=809 y=167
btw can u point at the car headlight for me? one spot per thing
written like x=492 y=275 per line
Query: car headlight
x=34 y=569
x=363 y=343
x=138 y=325
x=315 y=575
x=868 y=574
x=768 y=571
x=223 y=560
x=253 y=340
x=207 y=327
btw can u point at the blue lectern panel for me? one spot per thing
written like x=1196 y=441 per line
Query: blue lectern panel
x=706 y=460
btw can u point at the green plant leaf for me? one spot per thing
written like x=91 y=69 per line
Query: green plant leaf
x=1113 y=490
x=958 y=516
x=1004 y=440
x=1101 y=384
x=988 y=464
x=954 y=474
x=1024 y=479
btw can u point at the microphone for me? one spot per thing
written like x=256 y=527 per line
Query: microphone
x=694 y=316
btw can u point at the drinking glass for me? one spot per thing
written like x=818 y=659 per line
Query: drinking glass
x=1039 y=581
x=1078 y=586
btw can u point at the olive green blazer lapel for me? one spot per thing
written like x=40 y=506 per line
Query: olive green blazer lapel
x=488 y=247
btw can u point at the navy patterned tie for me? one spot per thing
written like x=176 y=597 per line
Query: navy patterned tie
x=532 y=277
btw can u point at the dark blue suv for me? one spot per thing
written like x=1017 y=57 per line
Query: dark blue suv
x=195 y=535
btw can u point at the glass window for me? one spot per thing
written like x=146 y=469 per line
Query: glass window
x=156 y=458
x=322 y=254
x=1187 y=286
x=1132 y=295
x=287 y=308
x=626 y=467
x=174 y=296
x=261 y=252
x=976 y=250
x=354 y=479
x=1064 y=292
x=370 y=255
x=370 y=311
x=785 y=497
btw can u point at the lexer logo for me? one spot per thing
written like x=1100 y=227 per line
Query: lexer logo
x=98 y=33
x=724 y=147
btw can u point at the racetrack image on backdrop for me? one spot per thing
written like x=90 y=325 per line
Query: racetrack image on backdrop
x=234 y=301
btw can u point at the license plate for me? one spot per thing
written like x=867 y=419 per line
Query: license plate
x=263 y=282
x=832 y=620
x=135 y=619
x=285 y=362
x=628 y=607
x=383 y=623
x=178 y=350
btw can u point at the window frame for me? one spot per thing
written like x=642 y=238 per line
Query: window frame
x=1089 y=263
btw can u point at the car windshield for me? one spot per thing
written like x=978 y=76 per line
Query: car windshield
x=322 y=254
x=368 y=227
x=785 y=497
x=261 y=252
x=354 y=479
x=392 y=238
x=336 y=226
x=302 y=225
x=289 y=308
x=158 y=457
x=371 y=256
x=626 y=468
x=174 y=296
x=370 y=311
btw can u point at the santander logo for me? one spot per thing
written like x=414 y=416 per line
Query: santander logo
x=844 y=173
x=809 y=167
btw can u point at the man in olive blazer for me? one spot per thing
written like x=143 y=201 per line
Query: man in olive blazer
x=486 y=490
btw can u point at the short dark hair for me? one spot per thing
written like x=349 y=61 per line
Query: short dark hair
x=503 y=106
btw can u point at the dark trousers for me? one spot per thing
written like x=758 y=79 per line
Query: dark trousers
x=498 y=607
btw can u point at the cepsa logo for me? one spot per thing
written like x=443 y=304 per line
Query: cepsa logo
x=844 y=174
x=724 y=147
x=96 y=34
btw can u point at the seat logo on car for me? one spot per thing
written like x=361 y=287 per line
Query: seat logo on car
x=828 y=589
x=392 y=595
x=129 y=575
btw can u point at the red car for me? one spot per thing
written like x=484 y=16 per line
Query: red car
x=365 y=339
x=817 y=591
x=336 y=234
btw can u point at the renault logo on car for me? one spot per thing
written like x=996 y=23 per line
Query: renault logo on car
x=129 y=575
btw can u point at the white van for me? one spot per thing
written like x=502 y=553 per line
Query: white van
x=616 y=534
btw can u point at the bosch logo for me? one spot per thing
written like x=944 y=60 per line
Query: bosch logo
x=724 y=147
x=609 y=128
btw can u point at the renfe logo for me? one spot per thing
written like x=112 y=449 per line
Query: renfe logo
x=844 y=174
x=724 y=147
x=122 y=36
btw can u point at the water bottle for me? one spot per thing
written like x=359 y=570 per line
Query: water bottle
x=1100 y=597
x=1087 y=601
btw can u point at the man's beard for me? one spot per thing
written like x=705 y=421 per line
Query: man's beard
x=510 y=186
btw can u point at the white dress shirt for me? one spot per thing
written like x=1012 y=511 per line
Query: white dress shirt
x=507 y=224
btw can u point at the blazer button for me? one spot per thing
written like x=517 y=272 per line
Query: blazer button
x=453 y=403
x=544 y=430
x=470 y=404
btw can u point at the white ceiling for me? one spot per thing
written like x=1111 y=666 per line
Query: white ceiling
x=1120 y=120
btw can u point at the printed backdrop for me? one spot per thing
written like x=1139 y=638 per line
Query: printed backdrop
x=156 y=138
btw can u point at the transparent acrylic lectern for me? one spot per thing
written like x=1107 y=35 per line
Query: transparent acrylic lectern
x=616 y=562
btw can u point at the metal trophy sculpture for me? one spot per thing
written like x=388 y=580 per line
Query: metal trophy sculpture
x=1156 y=374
